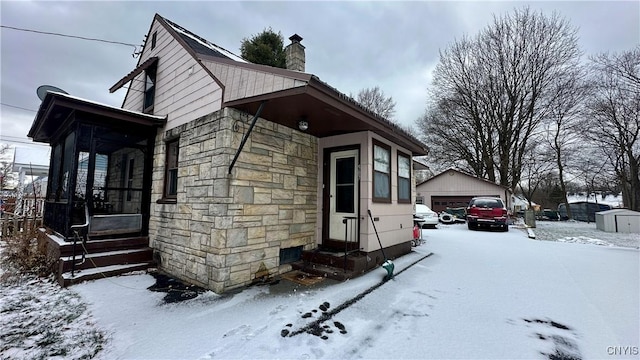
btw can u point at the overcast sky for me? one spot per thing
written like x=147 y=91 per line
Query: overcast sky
x=350 y=45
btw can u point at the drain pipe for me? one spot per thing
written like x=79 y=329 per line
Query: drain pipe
x=246 y=136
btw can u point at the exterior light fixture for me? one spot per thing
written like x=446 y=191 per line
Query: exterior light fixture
x=303 y=125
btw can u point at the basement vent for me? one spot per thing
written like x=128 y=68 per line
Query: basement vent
x=290 y=255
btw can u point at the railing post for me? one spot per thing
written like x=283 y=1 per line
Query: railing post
x=76 y=235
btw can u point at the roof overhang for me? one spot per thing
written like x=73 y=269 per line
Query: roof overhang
x=327 y=111
x=417 y=165
x=56 y=108
x=135 y=72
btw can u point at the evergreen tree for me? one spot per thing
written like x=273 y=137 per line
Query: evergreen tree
x=266 y=48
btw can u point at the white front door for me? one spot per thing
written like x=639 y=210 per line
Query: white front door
x=343 y=196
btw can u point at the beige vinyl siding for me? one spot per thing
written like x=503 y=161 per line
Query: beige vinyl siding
x=241 y=83
x=395 y=223
x=184 y=89
x=396 y=220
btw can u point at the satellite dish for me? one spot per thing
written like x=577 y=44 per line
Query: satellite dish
x=43 y=89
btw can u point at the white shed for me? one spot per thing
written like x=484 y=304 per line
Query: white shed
x=618 y=220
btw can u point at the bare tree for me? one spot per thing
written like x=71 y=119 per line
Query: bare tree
x=538 y=167
x=564 y=119
x=6 y=171
x=613 y=111
x=490 y=93
x=375 y=100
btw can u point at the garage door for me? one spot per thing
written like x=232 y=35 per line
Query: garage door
x=440 y=203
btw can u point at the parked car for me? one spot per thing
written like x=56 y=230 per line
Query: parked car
x=487 y=212
x=548 y=214
x=429 y=216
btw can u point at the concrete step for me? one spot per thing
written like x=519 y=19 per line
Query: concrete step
x=67 y=279
x=106 y=258
x=94 y=246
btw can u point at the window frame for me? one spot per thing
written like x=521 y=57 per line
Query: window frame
x=399 y=155
x=169 y=167
x=149 y=94
x=386 y=147
x=153 y=39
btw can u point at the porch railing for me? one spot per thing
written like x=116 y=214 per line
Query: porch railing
x=350 y=223
x=77 y=230
x=13 y=224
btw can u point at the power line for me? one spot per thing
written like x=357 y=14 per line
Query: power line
x=18 y=140
x=18 y=107
x=135 y=47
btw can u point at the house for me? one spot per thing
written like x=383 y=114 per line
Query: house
x=453 y=188
x=227 y=172
x=31 y=164
x=619 y=221
x=520 y=204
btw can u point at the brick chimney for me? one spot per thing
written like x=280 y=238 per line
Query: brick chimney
x=295 y=54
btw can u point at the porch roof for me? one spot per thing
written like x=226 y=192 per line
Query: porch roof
x=327 y=111
x=56 y=108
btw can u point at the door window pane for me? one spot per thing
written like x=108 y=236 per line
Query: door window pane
x=345 y=170
x=345 y=186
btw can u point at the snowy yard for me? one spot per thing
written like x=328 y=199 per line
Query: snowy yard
x=584 y=233
x=480 y=295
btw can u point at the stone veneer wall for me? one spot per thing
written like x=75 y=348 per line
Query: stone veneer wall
x=227 y=230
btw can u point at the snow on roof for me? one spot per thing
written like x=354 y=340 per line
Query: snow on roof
x=157 y=117
x=520 y=201
x=619 y=211
x=205 y=42
x=611 y=200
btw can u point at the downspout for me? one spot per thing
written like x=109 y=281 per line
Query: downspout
x=246 y=136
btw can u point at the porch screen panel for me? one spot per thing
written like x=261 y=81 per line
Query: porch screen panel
x=83 y=174
x=67 y=166
x=345 y=185
x=54 y=181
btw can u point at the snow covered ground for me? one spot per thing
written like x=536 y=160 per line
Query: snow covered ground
x=480 y=295
x=583 y=233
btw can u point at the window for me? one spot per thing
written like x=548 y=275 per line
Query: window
x=404 y=178
x=153 y=40
x=345 y=185
x=381 y=173
x=171 y=170
x=149 y=88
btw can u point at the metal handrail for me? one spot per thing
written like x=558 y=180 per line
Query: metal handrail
x=346 y=220
x=76 y=235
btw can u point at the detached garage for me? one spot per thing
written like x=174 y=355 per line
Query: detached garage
x=618 y=220
x=453 y=188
